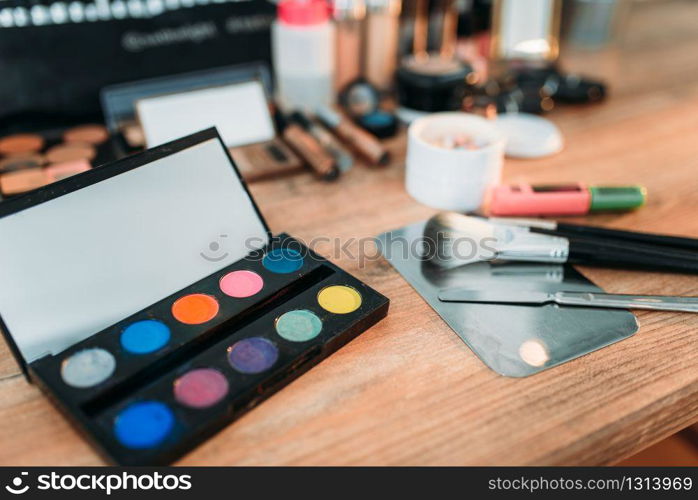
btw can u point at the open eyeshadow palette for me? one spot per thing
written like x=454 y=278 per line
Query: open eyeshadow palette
x=31 y=160
x=119 y=101
x=146 y=374
x=156 y=110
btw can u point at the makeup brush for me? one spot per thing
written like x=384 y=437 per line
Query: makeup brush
x=454 y=240
x=565 y=229
x=460 y=239
x=648 y=245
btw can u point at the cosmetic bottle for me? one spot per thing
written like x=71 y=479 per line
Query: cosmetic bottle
x=525 y=33
x=382 y=35
x=303 y=52
x=432 y=81
x=348 y=18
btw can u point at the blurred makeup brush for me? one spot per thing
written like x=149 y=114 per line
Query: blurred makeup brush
x=456 y=240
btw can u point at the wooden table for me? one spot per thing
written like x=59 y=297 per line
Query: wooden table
x=408 y=391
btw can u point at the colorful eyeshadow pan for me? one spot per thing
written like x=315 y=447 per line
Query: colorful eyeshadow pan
x=89 y=134
x=241 y=284
x=299 y=326
x=21 y=143
x=60 y=171
x=339 y=299
x=283 y=261
x=133 y=133
x=145 y=336
x=195 y=309
x=21 y=162
x=22 y=181
x=70 y=152
x=252 y=355
x=88 y=368
x=201 y=388
x=144 y=424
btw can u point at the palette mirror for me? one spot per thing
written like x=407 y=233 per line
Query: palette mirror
x=159 y=227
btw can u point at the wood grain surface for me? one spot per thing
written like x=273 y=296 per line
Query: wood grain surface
x=408 y=391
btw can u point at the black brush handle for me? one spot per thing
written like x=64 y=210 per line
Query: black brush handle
x=594 y=253
x=626 y=248
x=623 y=245
x=617 y=234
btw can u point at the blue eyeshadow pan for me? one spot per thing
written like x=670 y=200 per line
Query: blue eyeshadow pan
x=143 y=337
x=144 y=425
x=283 y=260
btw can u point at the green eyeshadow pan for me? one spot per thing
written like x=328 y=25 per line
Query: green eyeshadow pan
x=299 y=325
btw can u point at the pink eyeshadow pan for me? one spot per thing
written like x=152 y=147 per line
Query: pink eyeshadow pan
x=200 y=388
x=241 y=284
x=59 y=171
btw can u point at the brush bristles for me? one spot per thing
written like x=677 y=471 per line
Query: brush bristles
x=447 y=230
x=463 y=225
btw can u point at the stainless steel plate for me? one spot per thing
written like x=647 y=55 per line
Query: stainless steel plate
x=513 y=340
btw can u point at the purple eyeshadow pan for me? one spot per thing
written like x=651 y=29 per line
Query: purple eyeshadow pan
x=252 y=355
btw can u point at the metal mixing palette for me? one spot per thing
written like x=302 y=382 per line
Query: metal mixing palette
x=513 y=340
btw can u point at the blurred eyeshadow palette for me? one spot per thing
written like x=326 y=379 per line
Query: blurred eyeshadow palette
x=164 y=308
x=51 y=78
x=29 y=160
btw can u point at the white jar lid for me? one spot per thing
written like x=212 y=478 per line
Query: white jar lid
x=529 y=136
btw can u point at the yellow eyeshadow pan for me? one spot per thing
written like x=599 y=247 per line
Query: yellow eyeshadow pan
x=339 y=299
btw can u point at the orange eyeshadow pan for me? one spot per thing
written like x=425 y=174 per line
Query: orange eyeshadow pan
x=70 y=152
x=195 y=309
x=88 y=134
x=59 y=171
x=22 y=181
x=20 y=144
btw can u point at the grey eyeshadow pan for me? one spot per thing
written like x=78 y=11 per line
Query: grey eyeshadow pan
x=88 y=367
